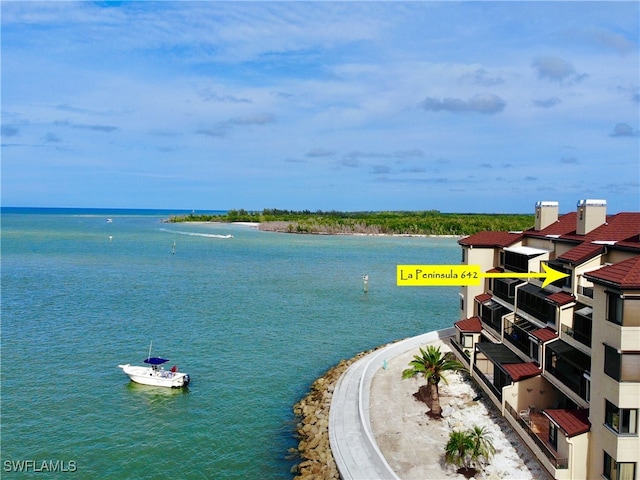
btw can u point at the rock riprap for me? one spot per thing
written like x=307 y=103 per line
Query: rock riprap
x=314 y=451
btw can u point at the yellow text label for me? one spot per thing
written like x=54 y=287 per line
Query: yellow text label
x=438 y=275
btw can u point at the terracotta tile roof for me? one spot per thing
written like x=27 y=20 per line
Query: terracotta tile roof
x=625 y=274
x=573 y=422
x=560 y=298
x=565 y=224
x=520 y=371
x=496 y=270
x=545 y=334
x=628 y=243
x=624 y=226
x=491 y=239
x=469 y=325
x=483 y=297
x=581 y=253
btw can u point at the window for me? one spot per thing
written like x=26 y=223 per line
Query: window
x=611 y=362
x=464 y=254
x=582 y=324
x=467 y=341
x=623 y=310
x=553 y=435
x=534 y=350
x=618 y=470
x=621 y=420
x=614 y=307
x=631 y=311
x=623 y=367
x=587 y=387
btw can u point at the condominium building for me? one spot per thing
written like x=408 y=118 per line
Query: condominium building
x=562 y=363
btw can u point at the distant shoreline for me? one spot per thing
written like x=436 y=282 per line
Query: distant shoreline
x=256 y=225
x=425 y=223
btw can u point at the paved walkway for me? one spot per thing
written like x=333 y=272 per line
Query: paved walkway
x=354 y=448
x=409 y=439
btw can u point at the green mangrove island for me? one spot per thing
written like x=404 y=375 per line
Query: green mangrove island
x=428 y=222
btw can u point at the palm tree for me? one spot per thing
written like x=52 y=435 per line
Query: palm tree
x=432 y=364
x=458 y=449
x=483 y=448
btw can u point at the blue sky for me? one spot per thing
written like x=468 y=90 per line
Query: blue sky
x=459 y=107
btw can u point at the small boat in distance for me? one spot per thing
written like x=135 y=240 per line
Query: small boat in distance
x=155 y=375
x=109 y=220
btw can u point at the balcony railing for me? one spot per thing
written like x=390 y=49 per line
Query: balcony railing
x=559 y=463
x=532 y=300
x=573 y=380
x=518 y=338
x=586 y=291
x=578 y=336
x=505 y=289
x=493 y=319
x=488 y=382
x=461 y=351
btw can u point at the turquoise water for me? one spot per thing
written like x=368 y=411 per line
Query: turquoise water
x=254 y=319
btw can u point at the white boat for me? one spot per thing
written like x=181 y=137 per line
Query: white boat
x=155 y=374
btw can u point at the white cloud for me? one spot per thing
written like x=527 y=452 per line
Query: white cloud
x=481 y=103
x=547 y=102
x=556 y=69
x=623 y=130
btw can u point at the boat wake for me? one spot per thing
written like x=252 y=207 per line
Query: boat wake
x=194 y=234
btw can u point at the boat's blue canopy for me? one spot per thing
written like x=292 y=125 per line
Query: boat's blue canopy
x=156 y=361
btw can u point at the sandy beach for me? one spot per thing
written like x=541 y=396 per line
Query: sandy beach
x=413 y=444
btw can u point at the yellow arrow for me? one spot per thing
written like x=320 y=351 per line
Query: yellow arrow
x=551 y=275
x=462 y=275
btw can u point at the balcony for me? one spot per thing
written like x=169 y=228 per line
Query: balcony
x=570 y=367
x=537 y=427
x=580 y=330
x=560 y=267
x=517 y=333
x=577 y=336
x=488 y=365
x=533 y=300
x=461 y=353
x=586 y=291
x=491 y=315
x=505 y=289
x=487 y=380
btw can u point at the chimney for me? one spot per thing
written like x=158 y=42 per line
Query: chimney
x=591 y=214
x=546 y=214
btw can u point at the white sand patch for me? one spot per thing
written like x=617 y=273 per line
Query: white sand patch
x=413 y=444
x=248 y=224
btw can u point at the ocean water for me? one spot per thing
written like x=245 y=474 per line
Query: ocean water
x=254 y=319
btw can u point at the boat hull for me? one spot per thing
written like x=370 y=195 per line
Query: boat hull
x=155 y=378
